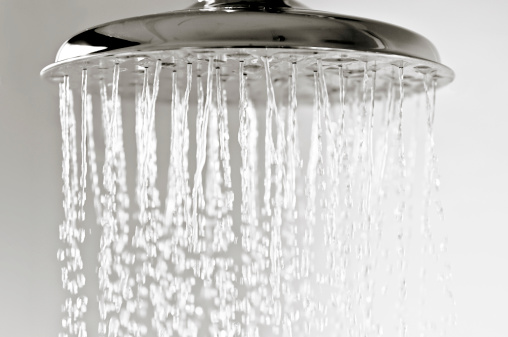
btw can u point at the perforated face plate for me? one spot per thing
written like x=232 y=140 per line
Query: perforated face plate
x=353 y=65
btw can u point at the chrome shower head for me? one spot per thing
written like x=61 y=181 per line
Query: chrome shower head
x=276 y=233
x=243 y=29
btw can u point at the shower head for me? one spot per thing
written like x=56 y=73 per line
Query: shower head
x=277 y=233
x=243 y=29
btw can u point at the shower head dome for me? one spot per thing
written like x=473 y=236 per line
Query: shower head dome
x=248 y=28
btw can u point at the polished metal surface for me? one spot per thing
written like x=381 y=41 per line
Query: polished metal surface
x=244 y=24
x=210 y=4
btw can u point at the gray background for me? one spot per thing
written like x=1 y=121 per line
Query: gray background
x=471 y=138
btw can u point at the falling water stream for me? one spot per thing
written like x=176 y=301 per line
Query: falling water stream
x=293 y=211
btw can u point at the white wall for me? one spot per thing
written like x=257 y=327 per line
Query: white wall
x=471 y=136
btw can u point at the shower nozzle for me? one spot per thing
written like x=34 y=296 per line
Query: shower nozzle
x=274 y=233
x=241 y=26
